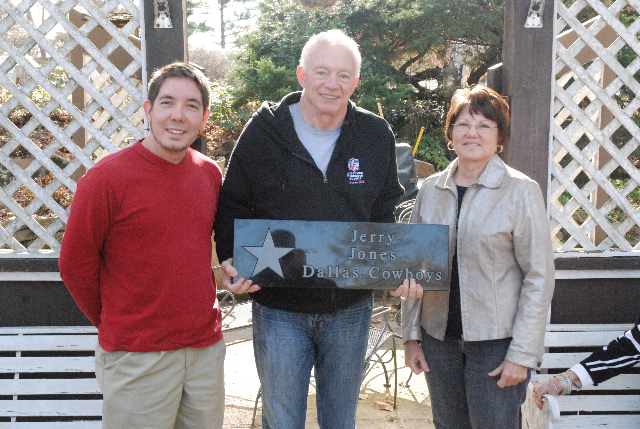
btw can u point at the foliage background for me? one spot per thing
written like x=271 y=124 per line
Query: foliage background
x=404 y=45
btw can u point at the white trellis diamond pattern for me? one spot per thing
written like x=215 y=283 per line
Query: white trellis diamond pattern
x=48 y=139
x=595 y=155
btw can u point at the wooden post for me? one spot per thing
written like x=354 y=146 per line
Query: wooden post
x=200 y=144
x=528 y=56
x=166 y=45
x=494 y=78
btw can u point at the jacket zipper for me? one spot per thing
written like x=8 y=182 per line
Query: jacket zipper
x=324 y=176
x=457 y=241
x=325 y=181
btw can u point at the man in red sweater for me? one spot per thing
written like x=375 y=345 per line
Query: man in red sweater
x=136 y=257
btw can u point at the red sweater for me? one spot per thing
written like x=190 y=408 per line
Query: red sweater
x=136 y=254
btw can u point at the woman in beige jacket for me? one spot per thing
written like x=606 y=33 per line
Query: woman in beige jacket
x=477 y=341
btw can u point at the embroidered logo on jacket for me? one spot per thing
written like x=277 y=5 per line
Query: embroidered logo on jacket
x=354 y=175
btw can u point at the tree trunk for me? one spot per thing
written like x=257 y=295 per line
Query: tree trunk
x=222 y=5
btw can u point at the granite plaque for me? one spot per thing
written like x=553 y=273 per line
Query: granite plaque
x=356 y=255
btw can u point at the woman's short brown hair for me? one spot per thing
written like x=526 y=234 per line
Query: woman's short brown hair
x=483 y=100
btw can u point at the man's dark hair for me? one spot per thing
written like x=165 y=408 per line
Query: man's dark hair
x=179 y=69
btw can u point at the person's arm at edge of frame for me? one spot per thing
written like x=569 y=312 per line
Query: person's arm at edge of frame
x=408 y=288
x=412 y=294
x=86 y=230
x=411 y=313
x=531 y=237
x=232 y=203
x=383 y=211
x=627 y=345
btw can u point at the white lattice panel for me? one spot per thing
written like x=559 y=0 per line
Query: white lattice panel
x=595 y=156
x=49 y=134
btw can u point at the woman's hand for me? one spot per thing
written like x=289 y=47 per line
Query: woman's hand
x=551 y=387
x=510 y=374
x=408 y=289
x=239 y=287
x=414 y=357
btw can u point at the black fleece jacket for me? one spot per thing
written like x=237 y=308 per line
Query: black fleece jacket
x=272 y=176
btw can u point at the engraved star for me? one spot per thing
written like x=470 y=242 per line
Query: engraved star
x=268 y=255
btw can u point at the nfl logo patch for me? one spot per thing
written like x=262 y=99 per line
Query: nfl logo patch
x=354 y=164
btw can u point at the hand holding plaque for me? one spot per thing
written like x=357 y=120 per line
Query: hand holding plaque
x=240 y=286
x=408 y=289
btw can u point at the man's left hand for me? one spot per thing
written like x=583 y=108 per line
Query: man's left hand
x=408 y=289
x=239 y=287
x=510 y=374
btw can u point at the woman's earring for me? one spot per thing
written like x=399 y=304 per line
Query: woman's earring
x=500 y=149
x=450 y=146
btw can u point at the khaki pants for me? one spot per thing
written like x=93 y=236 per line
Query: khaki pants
x=179 y=389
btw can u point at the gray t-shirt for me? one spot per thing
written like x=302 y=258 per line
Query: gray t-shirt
x=319 y=143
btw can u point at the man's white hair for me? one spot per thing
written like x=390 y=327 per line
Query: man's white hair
x=332 y=37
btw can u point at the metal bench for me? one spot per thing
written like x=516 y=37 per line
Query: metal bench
x=380 y=333
x=613 y=404
x=236 y=316
x=48 y=378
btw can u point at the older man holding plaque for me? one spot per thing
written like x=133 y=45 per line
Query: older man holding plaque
x=314 y=156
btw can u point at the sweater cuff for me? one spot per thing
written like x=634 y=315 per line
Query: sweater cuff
x=582 y=374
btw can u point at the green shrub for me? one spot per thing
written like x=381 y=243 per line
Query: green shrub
x=222 y=112
x=433 y=150
x=633 y=197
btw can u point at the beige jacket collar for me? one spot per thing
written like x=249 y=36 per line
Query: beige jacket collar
x=491 y=177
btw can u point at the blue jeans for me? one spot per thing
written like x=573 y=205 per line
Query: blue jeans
x=462 y=393
x=287 y=345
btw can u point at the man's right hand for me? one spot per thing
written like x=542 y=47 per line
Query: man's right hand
x=414 y=357
x=239 y=287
